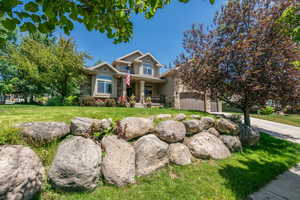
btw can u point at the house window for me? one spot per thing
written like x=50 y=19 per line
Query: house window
x=147 y=68
x=126 y=69
x=148 y=90
x=104 y=84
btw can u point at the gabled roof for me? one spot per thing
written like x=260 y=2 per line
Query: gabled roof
x=102 y=65
x=151 y=56
x=134 y=52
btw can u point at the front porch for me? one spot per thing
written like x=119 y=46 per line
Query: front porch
x=141 y=88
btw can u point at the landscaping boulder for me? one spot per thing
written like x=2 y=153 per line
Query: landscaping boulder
x=192 y=126
x=179 y=154
x=163 y=116
x=249 y=136
x=206 y=123
x=232 y=142
x=205 y=146
x=151 y=154
x=77 y=165
x=21 y=173
x=84 y=126
x=213 y=131
x=180 y=117
x=196 y=116
x=133 y=127
x=170 y=131
x=225 y=126
x=118 y=165
x=44 y=131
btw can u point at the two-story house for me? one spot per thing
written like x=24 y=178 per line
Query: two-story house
x=109 y=81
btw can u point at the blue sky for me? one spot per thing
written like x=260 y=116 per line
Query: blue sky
x=161 y=35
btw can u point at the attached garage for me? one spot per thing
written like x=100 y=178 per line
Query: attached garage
x=190 y=101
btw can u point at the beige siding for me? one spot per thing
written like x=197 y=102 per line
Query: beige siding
x=132 y=57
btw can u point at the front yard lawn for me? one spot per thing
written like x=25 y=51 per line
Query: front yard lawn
x=230 y=179
x=291 y=119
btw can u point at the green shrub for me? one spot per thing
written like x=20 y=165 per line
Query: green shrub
x=268 y=110
x=42 y=100
x=71 y=101
x=87 y=101
x=110 y=103
x=55 y=101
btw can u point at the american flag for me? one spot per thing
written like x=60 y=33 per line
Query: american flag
x=128 y=79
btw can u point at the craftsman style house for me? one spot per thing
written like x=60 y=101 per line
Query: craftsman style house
x=109 y=81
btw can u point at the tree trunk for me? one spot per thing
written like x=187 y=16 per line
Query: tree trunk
x=247 y=117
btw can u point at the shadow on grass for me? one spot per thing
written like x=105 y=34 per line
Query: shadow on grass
x=258 y=165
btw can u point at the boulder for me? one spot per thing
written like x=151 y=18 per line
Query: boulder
x=44 y=131
x=206 y=123
x=205 y=145
x=192 y=126
x=179 y=154
x=118 y=165
x=163 y=116
x=151 y=154
x=249 y=136
x=225 y=126
x=213 y=131
x=21 y=173
x=232 y=142
x=77 y=165
x=180 y=117
x=133 y=127
x=196 y=116
x=84 y=126
x=170 y=131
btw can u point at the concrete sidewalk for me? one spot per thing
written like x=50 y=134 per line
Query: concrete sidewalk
x=287 y=185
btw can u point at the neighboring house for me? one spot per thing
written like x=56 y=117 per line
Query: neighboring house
x=109 y=81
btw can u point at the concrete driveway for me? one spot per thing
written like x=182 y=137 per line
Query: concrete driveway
x=283 y=131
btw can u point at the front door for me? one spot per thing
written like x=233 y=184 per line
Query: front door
x=131 y=90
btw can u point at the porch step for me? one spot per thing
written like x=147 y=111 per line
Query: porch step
x=154 y=105
x=139 y=105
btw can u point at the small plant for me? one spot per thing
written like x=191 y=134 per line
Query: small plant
x=132 y=101
x=87 y=101
x=268 y=110
x=99 y=135
x=110 y=103
x=99 y=103
x=148 y=102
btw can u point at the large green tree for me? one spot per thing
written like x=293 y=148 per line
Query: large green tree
x=44 y=66
x=291 y=21
x=110 y=16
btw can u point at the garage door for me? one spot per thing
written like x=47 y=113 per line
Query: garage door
x=190 y=101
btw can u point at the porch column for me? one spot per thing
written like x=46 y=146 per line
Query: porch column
x=142 y=91
x=124 y=87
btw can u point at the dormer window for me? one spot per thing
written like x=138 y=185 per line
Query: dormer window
x=148 y=69
x=126 y=69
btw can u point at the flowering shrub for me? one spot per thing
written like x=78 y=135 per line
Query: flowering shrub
x=100 y=103
x=122 y=101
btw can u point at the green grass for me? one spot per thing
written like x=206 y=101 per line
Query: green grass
x=291 y=119
x=230 y=179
